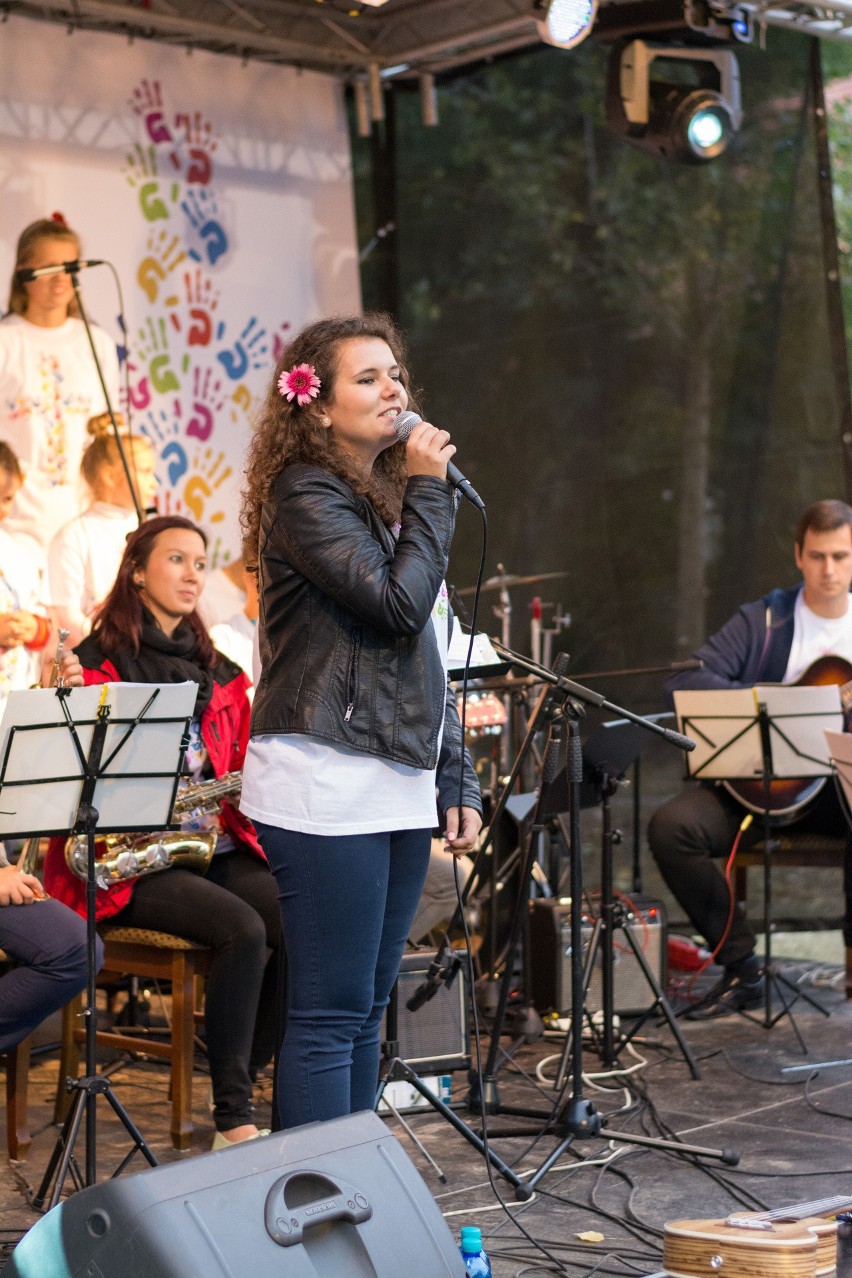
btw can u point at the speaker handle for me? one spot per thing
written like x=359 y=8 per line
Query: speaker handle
x=286 y=1225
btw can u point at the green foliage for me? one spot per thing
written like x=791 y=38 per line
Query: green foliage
x=594 y=322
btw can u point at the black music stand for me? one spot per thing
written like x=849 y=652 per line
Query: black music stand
x=67 y=767
x=764 y=734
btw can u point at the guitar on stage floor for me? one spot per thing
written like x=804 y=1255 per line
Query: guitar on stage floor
x=789 y=1242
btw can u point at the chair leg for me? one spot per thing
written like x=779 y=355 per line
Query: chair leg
x=69 y=1057
x=18 y=1138
x=183 y=1047
x=849 y=971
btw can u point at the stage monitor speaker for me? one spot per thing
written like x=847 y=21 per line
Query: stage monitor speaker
x=338 y=1198
x=550 y=954
x=435 y=1038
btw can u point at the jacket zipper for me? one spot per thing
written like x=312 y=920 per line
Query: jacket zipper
x=352 y=685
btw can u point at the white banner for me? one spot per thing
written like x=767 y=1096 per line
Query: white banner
x=220 y=191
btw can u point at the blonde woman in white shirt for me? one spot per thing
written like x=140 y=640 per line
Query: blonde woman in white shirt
x=84 y=556
x=49 y=386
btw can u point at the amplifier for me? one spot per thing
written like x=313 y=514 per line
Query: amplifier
x=435 y=1038
x=550 y=957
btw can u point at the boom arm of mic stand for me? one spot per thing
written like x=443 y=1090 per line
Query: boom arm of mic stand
x=589 y=697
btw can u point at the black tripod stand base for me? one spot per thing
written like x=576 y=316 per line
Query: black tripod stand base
x=62 y=1160
x=400 y=1069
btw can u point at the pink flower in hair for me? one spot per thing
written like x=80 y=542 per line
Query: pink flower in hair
x=300 y=383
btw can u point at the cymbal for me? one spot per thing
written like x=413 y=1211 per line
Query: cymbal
x=506 y=580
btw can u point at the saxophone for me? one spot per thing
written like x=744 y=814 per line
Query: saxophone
x=122 y=857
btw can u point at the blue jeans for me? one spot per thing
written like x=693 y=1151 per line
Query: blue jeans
x=347 y=903
x=48 y=940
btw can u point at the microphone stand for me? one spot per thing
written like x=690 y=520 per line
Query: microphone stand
x=575 y=1116
x=75 y=284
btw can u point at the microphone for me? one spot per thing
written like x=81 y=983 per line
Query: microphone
x=26 y=273
x=403 y=426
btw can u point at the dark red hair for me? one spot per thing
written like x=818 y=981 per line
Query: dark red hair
x=119 y=620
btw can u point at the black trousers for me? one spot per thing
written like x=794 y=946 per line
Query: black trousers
x=234 y=911
x=696 y=829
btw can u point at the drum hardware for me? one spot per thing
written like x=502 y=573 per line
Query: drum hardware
x=506 y=580
x=541 y=636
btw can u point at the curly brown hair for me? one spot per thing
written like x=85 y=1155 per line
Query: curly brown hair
x=287 y=433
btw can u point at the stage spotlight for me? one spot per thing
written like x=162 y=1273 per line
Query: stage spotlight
x=683 y=103
x=565 y=23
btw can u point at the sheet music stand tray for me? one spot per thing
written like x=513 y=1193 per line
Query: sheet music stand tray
x=767 y=733
x=67 y=766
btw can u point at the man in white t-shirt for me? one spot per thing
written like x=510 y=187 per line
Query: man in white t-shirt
x=775 y=639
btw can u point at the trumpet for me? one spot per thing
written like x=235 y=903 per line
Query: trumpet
x=28 y=860
x=123 y=857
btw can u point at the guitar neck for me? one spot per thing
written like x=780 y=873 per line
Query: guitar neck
x=799 y=1211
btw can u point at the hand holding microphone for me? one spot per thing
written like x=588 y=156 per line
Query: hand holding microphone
x=433 y=444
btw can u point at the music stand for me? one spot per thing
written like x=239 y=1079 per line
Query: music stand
x=72 y=759
x=766 y=734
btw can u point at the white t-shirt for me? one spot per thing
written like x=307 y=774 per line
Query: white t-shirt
x=235 y=638
x=21 y=587
x=220 y=600
x=84 y=556
x=815 y=637
x=49 y=389
x=302 y=783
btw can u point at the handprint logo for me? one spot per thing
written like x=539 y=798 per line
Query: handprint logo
x=147 y=100
x=207 y=400
x=192 y=156
x=164 y=255
x=163 y=432
x=249 y=351
x=202 y=299
x=243 y=400
x=206 y=235
x=209 y=471
x=280 y=338
x=153 y=346
x=156 y=199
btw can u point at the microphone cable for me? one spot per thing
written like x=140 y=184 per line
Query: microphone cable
x=468 y=962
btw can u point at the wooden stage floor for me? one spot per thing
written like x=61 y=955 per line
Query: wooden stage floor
x=791 y=1131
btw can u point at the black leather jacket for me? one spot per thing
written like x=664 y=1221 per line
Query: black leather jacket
x=347 y=651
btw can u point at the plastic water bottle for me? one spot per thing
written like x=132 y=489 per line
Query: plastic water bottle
x=475 y=1260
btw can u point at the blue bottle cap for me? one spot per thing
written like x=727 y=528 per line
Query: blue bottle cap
x=471 y=1238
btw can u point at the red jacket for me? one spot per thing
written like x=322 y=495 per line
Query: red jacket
x=225 y=732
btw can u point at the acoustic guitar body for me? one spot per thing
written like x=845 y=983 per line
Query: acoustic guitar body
x=788 y=798
x=712 y=1249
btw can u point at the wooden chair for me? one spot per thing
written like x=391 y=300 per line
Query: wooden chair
x=17 y=1065
x=157 y=956
x=820 y=851
x=18 y=1138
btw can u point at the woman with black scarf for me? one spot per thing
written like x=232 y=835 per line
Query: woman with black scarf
x=149 y=631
